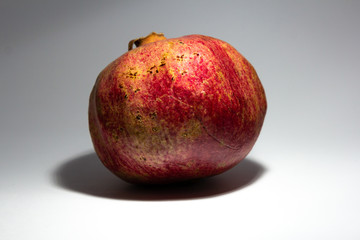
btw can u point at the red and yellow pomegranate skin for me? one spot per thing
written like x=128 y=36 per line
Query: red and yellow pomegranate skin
x=176 y=109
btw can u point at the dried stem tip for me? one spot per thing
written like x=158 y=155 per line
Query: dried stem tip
x=152 y=37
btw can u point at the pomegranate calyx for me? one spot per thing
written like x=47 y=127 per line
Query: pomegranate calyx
x=152 y=37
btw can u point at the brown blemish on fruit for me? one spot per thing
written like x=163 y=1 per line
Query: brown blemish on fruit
x=115 y=136
x=192 y=129
x=153 y=69
x=153 y=115
x=163 y=60
x=180 y=57
x=131 y=73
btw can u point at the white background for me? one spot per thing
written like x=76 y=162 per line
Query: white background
x=301 y=181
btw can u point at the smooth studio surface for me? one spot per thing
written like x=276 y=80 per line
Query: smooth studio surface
x=300 y=181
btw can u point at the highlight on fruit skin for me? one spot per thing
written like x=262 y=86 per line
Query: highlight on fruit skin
x=175 y=109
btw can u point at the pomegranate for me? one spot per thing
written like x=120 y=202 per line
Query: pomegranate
x=176 y=109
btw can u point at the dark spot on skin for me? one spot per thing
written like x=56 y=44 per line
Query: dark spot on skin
x=181 y=42
x=138 y=117
x=136 y=90
x=180 y=58
x=150 y=70
x=162 y=63
x=183 y=72
x=157 y=71
x=143 y=158
x=172 y=79
x=116 y=137
x=197 y=54
x=131 y=74
x=153 y=115
x=121 y=86
x=126 y=96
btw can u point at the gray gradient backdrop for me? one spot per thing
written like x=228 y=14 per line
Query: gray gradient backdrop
x=301 y=181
